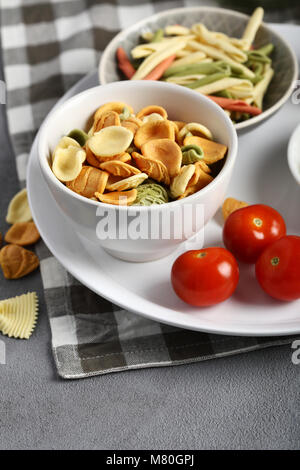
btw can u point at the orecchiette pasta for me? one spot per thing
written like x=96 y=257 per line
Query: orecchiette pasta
x=162 y=160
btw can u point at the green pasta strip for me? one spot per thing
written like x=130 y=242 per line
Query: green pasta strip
x=208 y=79
x=224 y=94
x=205 y=69
x=267 y=49
x=257 y=56
x=158 y=35
x=253 y=80
x=258 y=68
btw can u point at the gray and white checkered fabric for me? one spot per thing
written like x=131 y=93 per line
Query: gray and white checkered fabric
x=47 y=46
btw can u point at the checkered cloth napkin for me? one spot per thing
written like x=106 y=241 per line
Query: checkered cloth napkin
x=47 y=47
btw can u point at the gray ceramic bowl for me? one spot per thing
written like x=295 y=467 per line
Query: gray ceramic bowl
x=218 y=19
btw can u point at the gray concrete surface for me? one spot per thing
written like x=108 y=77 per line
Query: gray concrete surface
x=249 y=401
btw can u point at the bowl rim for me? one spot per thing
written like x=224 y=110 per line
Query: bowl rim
x=242 y=125
x=291 y=154
x=47 y=172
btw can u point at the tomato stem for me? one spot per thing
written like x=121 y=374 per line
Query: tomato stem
x=275 y=261
x=258 y=222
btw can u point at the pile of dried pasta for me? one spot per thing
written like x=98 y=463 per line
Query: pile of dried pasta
x=228 y=70
x=136 y=159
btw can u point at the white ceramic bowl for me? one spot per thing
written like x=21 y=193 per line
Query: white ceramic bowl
x=294 y=154
x=230 y=22
x=181 y=104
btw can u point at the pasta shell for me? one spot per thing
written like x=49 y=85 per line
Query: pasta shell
x=123 y=157
x=110 y=118
x=179 y=124
x=167 y=152
x=199 y=166
x=180 y=182
x=196 y=129
x=66 y=142
x=119 y=198
x=127 y=183
x=110 y=141
x=153 y=117
x=18 y=208
x=118 y=168
x=79 y=136
x=230 y=205
x=89 y=181
x=151 y=193
x=151 y=110
x=212 y=150
x=132 y=123
x=16 y=262
x=203 y=181
x=22 y=233
x=154 y=130
x=116 y=106
x=111 y=181
x=96 y=161
x=154 y=168
x=67 y=163
x=91 y=158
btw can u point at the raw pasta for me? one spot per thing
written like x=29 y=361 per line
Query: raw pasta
x=18 y=315
x=210 y=62
x=18 y=208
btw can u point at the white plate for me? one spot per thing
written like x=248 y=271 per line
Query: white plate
x=261 y=175
x=294 y=154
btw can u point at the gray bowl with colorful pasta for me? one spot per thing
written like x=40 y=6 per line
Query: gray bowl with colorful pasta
x=235 y=60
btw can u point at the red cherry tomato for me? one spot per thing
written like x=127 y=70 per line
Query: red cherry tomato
x=248 y=231
x=278 y=268
x=205 y=277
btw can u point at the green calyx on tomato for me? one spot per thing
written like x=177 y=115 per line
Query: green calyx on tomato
x=258 y=222
x=275 y=261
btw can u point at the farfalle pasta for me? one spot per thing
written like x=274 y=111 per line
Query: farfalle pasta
x=18 y=315
x=142 y=158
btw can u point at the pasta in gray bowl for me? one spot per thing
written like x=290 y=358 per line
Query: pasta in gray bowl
x=236 y=60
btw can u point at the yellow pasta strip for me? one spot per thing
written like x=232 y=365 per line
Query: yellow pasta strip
x=252 y=26
x=147 y=35
x=156 y=57
x=215 y=53
x=211 y=39
x=144 y=50
x=177 y=30
x=241 y=92
x=192 y=58
x=18 y=315
x=182 y=53
x=261 y=88
x=223 y=84
x=239 y=43
x=184 y=80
